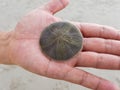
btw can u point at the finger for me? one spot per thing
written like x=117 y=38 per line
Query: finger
x=97 y=60
x=102 y=45
x=88 y=80
x=102 y=31
x=64 y=72
x=54 y=6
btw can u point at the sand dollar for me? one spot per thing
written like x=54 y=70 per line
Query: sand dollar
x=61 y=41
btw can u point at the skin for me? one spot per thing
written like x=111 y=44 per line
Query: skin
x=100 y=49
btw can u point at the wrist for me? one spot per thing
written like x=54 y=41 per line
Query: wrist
x=5 y=38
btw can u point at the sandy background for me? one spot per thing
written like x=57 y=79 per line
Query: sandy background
x=105 y=12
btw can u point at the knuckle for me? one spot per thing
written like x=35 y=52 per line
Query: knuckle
x=108 y=45
x=102 y=31
x=118 y=35
x=119 y=63
x=98 y=61
x=98 y=85
x=84 y=77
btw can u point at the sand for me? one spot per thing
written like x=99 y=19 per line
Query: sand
x=106 y=12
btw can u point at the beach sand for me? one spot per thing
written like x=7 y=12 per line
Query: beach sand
x=106 y=12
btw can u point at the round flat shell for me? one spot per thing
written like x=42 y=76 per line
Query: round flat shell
x=61 y=41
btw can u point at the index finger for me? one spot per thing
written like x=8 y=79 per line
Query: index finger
x=101 y=31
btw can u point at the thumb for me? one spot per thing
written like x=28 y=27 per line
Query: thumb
x=54 y=6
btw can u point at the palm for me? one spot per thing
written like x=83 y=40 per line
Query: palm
x=25 y=50
x=27 y=36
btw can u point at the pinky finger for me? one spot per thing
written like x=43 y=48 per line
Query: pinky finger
x=65 y=72
x=88 y=80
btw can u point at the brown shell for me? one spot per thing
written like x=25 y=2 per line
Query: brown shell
x=61 y=41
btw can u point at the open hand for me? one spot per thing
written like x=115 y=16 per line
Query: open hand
x=101 y=49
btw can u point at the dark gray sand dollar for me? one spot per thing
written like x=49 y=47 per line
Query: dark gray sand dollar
x=61 y=41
